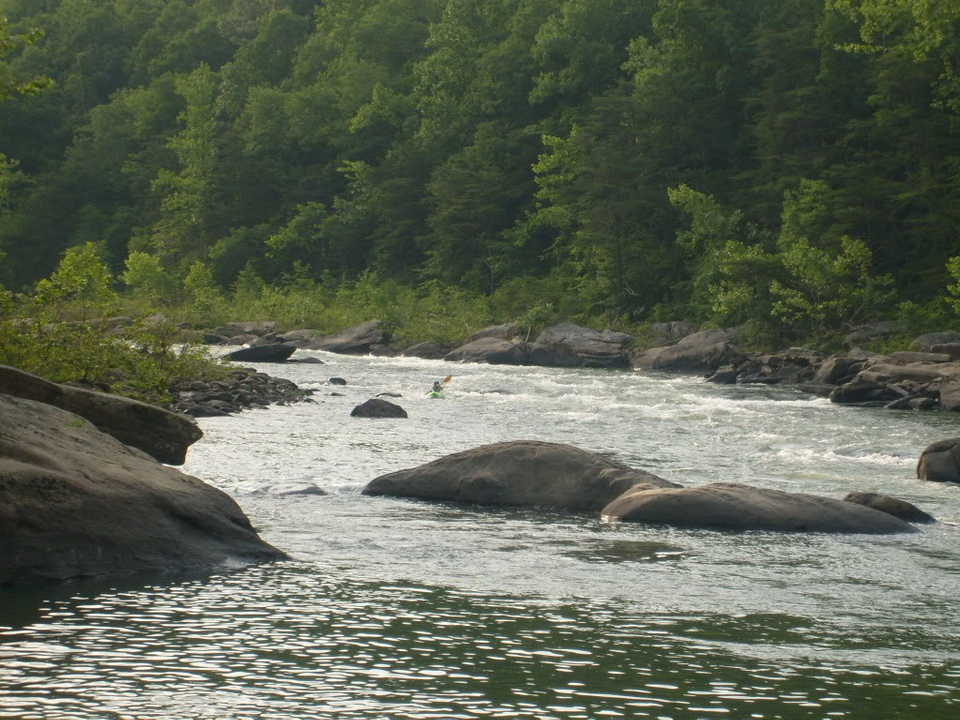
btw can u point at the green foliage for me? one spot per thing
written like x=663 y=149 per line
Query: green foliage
x=148 y=281
x=953 y=297
x=804 y=285
x=11 y=85
x=79 y=289
x=824 y=293
x=57 y=332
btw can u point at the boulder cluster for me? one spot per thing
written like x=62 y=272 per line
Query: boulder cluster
x=927 y=378
x=549 y=475
x=241 y=389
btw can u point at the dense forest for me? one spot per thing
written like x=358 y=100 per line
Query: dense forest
x=790 y=165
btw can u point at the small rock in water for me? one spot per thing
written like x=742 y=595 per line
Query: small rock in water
x=336 y=381
x=376 y=408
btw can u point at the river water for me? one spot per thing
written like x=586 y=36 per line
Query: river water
x=403 y=609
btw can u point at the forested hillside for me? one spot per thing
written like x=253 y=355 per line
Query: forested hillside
x=790 y=164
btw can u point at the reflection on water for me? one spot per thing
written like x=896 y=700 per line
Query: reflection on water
x=403 y=609
x=287 y=642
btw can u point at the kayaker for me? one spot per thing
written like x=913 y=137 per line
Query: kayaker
x=437 y=387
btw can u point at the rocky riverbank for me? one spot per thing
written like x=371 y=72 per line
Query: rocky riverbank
x=927 y=378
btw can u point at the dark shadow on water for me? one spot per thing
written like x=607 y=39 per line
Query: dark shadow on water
x=23 y=606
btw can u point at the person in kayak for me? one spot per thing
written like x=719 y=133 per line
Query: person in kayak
x=437 y=387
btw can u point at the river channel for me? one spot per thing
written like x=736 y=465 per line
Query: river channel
x=403 y=609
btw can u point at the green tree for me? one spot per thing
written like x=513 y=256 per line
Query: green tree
x=148 y=281
x=182 y=231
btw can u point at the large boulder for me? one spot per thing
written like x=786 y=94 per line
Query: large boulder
x=570 y=345
x=75 y=502
x=273 y=353
x=298 y=338
x=864 y=392
x=873 y=331
x=357 y=340
x=916 y=372
x=673 y=330
x=378 y=408
x=519 y=473
x=926 y=343
x=837 y=370
x=162 y=434
x=255 y=327
x=793 y=366
x=426 y=350
x=940 y=461
x=490 y=350
x=951 y=350
x=732 y=506
x=700 y=352
x=891 y=505
x=950 y=394
x=501 y=332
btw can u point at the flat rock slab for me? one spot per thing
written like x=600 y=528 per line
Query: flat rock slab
x=520 y=473
x=75 y=502
x=732 y=506
x=162 y=434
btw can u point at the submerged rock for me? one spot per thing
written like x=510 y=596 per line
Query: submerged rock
x=519 y=473
x=732 y=506
x=75 y=502
x=162 y=434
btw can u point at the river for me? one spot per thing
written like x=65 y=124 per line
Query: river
x=403 y=609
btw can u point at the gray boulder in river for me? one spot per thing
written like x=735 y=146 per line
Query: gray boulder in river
x=520 y=473
x=272 y=353
x=75 y=502
x=732 y=506
x=378 y=408
x=940 y=461
x=159 y=433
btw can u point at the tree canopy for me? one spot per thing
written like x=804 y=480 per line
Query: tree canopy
x=794 y=164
